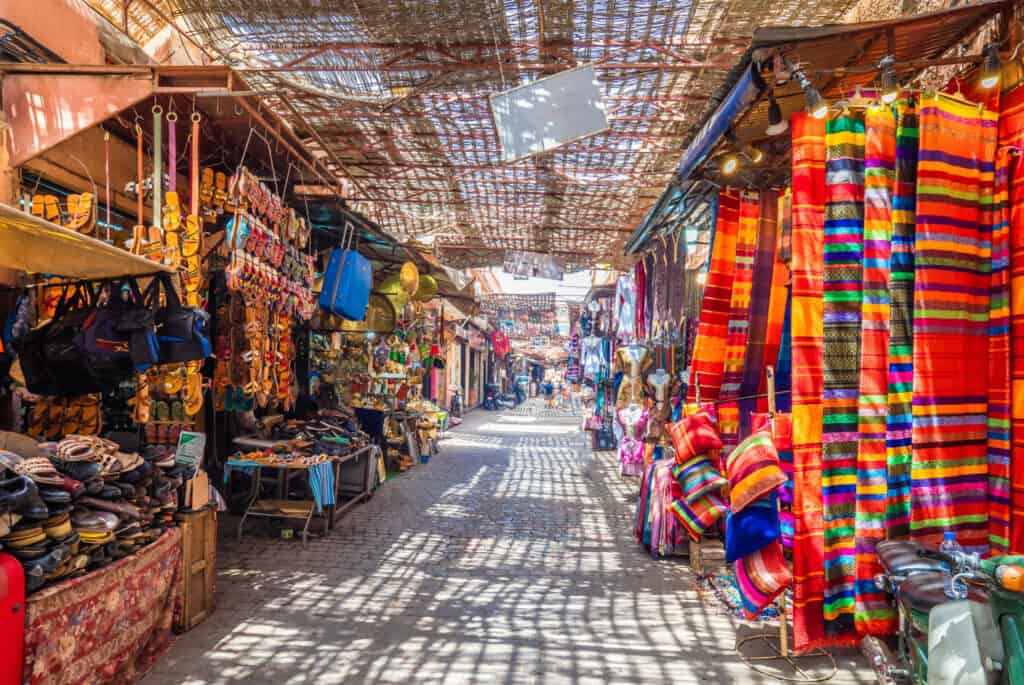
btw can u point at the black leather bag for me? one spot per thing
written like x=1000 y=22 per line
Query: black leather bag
x=51 y=360
x=114 y=337
x=180 y=331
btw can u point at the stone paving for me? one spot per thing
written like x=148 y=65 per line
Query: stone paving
x=508 y=558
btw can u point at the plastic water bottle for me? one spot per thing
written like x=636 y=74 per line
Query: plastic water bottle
x=951 y=547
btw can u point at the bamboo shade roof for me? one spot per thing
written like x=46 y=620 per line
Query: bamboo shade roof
x=393 y=95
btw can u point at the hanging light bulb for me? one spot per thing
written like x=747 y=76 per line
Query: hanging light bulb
x=776 y=124
x=755 y=155
x=702 y=278
x=816 y=105
x=991 y=71
x=890 y=87
x=730 y=165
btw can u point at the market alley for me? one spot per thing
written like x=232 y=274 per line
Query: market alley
x=508 y=558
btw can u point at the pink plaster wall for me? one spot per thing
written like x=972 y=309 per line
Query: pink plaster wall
x=67 y=27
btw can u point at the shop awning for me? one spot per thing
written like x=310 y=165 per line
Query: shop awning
x=34 y=245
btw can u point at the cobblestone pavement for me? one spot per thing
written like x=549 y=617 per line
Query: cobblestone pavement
x=508 y=559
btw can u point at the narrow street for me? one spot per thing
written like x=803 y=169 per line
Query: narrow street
x=509 y=558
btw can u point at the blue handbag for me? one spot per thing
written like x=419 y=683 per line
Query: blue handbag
x=347 y=282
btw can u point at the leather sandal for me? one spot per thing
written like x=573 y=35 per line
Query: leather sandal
x=81 y=213
x=20 y=496
x=38 y=206
x=52 y=209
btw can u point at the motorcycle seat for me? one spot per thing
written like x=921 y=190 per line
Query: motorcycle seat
x=923 y=591
x=900 y=558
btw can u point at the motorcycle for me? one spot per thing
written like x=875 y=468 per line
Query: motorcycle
x=492 y=400
x=975 y=637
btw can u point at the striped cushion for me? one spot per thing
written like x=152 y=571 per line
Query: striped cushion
x=694 y=435
x=760 y=578
x=753 y=470
x=697 y=478
x=699 y=516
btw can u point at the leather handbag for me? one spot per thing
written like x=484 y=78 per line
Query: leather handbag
x=347 y=282
x=181 y=332
x=115 y=327
x=51 y=360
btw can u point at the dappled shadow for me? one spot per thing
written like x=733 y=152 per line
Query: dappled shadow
x=508 y=558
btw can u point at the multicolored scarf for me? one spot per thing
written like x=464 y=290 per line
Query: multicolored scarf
x=955 y=176
x=759 y=347
x=1011 y=133
x=901 y=322
x=843 y=283
x=739 y=320
x=712 y=331
x=873 y=612
x=808 y=217
x=999 y=363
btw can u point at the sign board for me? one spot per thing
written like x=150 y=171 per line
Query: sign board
x=191 y=447
x=549 y=113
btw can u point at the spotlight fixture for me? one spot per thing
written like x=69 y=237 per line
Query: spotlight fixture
x=991 y=71
x=890 y=87
x=776 y=124
x=730 y=164
x=754 y=154
x=816 y=105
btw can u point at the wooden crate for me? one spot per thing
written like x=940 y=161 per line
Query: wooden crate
x=199 y=554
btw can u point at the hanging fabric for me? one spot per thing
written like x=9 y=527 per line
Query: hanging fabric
x=778 y=300
x=194 y=167
x=783 y=385
x=999 y=363
x=106 y=182
x=172 y=152
x=712 y=329
x=762 y=278
x=739 y=321
x=949 y=473
x=808 y=152
x=901 y=318
x=842 y=289
x=158 y=167
x=873 y=611
x=1011 y=125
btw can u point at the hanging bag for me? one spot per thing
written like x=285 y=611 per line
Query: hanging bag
x=115 y=337
x=181 y=332
x=347 y=282
x=50 y=360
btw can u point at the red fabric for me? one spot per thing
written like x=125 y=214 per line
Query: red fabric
x=1011 y=132
x=501 y=344
x=808 y=380
x=640 y=277
x=109 y=626
x=709 y=346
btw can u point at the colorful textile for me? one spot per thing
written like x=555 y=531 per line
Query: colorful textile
x=873 y=612
x=843 y=283
x=949 y=473
x=1011 y=132
x=700 y=515
x=752 y=529
x=999 y=363
x=808 y=216
x=762 y=279
x=698 y=479
x=753 y=471
x=739 y=319
x=901 y=322
x=761 y=577
x=109 y=626
x=712 y=331
x=694 y=435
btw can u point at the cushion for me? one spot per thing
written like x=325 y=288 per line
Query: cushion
x=697 y=478
x=753 y=470
x=699 y=516
x=752 y=529
x=694 y=435
x=760 y=578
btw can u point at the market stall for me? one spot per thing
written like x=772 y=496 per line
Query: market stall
x=859 y=271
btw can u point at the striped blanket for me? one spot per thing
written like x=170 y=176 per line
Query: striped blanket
x=709 y=346
x=739 y=320
x=843 y=276
x=901 y=319
x=952 y=277
x=873 y=612
x=807 y=307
